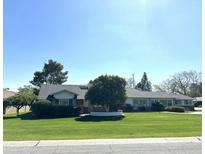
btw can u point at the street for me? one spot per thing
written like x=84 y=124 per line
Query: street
x=187 y=147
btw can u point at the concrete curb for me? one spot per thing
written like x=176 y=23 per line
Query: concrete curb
x=100 y=141
x=196 y=113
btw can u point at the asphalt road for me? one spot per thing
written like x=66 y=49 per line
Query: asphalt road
x=139 y=148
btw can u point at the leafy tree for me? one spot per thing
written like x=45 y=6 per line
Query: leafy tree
x=21 y=99
x=52 y=73
x=28 y=92
x=144 y=84
x=108 y=91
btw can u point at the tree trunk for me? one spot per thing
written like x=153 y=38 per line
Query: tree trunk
x=4 y=110
x=107 y=108
x=17 y=112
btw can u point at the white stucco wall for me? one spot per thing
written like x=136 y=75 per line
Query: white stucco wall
x=64 y=95
x=129 y=101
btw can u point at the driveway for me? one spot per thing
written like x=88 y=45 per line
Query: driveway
x=108 y=146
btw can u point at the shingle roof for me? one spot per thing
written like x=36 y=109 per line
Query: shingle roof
x=81 y=90
x=46 y=90
x=198 y=99
x=146 y=94
x=7 y=94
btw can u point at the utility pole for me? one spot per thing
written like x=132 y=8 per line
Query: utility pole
x=133 y=80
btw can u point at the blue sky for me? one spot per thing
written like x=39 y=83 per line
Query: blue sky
x=91 y=38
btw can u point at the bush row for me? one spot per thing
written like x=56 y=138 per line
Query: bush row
x=45 y=109
x=159 y=107
x=175 y=109
x=155 y=107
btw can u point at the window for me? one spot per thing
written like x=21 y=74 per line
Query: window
x=63 y=101
x=139 y=102
x=177 y=102
x=70 y=102
x=169 y=102
x=187 y=102
x=163 y=102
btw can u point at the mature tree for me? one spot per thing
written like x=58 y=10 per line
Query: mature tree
x=21 y=99
x=144 y=84
x=196 y=90
x=186 y=83
x=108 y=91
x=29 y=93
x=52 y=73
x=168 y=85
x=38 y=79
x=26 y=88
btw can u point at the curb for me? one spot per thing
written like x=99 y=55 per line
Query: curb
x=100 y=142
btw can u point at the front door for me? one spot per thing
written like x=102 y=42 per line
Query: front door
x=80 y=103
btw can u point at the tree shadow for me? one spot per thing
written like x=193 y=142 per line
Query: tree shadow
x=28 y=116
x=24 y=116
x=10 y=117
x=31 y=116
x=89 y=118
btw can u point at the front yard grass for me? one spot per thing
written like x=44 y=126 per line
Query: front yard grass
x=134 y=125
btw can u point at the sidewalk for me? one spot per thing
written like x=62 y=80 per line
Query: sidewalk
x=190 y=112
x=100 y=141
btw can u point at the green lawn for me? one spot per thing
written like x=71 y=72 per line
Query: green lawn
x=134 y=125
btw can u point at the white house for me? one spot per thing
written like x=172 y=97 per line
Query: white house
x=74 y=95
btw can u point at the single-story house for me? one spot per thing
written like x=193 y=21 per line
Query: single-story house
x=74 y=95
x=197 y=101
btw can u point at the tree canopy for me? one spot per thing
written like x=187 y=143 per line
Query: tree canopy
x=108 y=91
x=52 y=73
x=186 y=83
x=144 y=84
x=22 y=98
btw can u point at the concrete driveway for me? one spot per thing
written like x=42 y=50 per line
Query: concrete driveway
x=188 y=145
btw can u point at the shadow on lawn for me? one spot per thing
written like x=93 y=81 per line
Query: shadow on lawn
x=30 y=116
x=89 y=118
x=24 y=116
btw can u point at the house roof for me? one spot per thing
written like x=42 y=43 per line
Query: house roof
x=46 y=90
x=198 y=99
x=134 y=93
x=7 y=93
x=81 y=90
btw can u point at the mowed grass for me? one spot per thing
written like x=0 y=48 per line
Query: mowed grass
x=134 y=125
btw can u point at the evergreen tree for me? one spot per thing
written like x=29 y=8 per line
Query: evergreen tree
x=144 y=84
x=52 y=73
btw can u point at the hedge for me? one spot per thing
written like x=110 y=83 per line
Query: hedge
x=175 y=109
x=45 y=109
x=157 y=107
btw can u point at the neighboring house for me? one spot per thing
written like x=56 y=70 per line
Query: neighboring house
x=6 y=94
x=137 y=98
x=74 y=95
x=197 y=101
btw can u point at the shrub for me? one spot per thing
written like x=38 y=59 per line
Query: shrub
x=175 y=109
x=189 y=108
x=157 y=106
x=44 y=109
x=127 y=108
x=141 y=108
